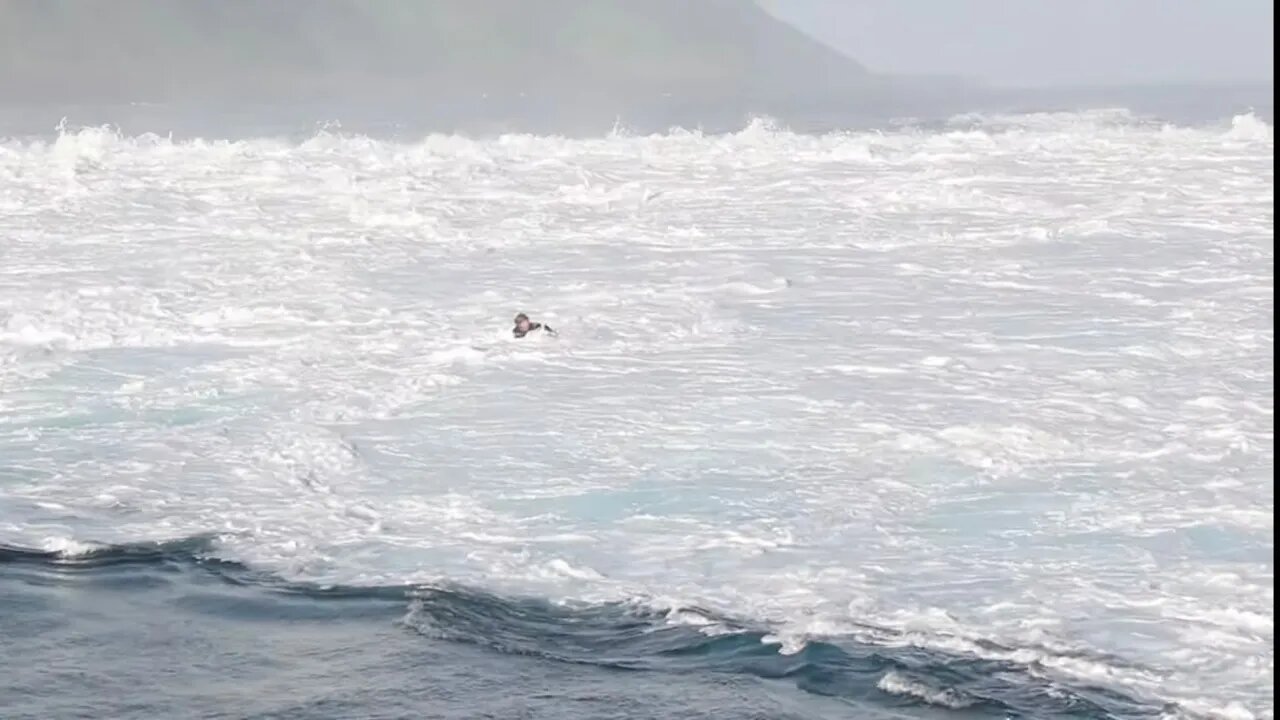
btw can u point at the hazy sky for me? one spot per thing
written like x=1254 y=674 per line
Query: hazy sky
x=1049 y=42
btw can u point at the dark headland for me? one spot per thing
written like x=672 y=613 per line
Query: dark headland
x=509 y=64
x=559 y=66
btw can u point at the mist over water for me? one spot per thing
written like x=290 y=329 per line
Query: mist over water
x=556 y=67
x=408 y=118
x=872 y=396
x=967 y=416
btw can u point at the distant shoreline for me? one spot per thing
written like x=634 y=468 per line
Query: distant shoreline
x=403 y=117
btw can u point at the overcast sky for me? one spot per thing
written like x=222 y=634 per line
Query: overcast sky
x=1049 y=42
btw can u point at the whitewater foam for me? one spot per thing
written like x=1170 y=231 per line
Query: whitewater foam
x=898 y=684
x=1001 y=389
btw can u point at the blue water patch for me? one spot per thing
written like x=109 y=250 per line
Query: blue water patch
x=87 y=393
x=164 y=630
x=1214 y=542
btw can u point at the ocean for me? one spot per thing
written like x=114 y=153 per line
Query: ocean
x=970 y=418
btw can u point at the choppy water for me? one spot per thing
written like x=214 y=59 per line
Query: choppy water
x=973 y=420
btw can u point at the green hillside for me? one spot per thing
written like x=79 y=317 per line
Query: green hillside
x=156 y=50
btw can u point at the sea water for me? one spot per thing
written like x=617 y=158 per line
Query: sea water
x=972 y=419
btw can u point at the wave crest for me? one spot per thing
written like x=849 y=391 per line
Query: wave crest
x=621 y=636
x=78 y=149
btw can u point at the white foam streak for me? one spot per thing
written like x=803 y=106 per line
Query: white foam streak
x=900 y=685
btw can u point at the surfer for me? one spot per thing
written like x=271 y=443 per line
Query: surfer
x=524 y=326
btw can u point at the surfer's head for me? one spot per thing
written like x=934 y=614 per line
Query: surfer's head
x=523 y=324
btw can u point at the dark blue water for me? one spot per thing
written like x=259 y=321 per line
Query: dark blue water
x=153 y=631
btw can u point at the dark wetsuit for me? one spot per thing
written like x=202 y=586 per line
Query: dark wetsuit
x=532 y=326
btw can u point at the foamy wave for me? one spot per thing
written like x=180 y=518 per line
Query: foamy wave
x=1250 y=127
x=997 y=382
x=68 y=547
x=1205 y=710
x=899 y=684
x=80 y=149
